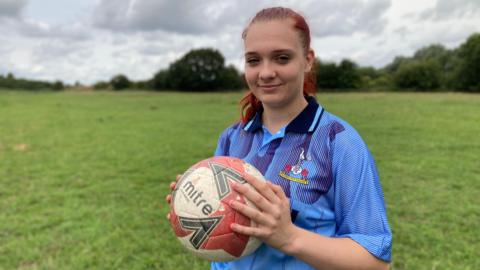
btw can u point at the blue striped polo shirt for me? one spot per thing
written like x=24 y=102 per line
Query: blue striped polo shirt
x=327 y=172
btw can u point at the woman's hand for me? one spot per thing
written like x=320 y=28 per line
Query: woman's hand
x=273 y=224
x=168 y=198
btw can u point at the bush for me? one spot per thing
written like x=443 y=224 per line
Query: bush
x=468 y=73
x=396 y=63
x=418 y=75
x=383 y=82
x=159 y=80
x=327 y=75
x=143 y=85
x=58 y=85
x=101 y=85
x=333 y=76
x=11 y=82
x=349 y=77
x=231 y=79
x=198 y=70
x=120 y=82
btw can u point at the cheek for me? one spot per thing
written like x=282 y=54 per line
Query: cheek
x=250 y=76
x=293 y=73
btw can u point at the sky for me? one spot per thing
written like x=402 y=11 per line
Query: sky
x=93 y=40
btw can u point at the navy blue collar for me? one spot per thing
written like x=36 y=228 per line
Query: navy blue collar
x=307 y=121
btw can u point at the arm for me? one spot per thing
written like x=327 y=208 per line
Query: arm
x=331 y=253
x=275 y=228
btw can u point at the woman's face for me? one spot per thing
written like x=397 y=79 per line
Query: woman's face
x=275 y=63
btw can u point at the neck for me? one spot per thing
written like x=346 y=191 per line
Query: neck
x=274 y=118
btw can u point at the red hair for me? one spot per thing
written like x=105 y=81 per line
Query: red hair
x=250 y=105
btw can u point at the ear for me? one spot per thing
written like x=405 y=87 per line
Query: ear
x=310 y=60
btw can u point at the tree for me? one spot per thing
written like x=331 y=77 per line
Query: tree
x=120 y=82
x=418 y=75
x=370 y=72
x=143 y=85
x=231 y=79
x=373 y=79
x=448 y=60
x=327 y=75
x=349 y=77
x=159 y=80
x=58 y=85
x=198 y=70
x=434 y=51
x=333 y=76
x=397 y=62
x=468 y=74
x=101 y=85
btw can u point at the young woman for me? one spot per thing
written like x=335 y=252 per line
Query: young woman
x=323 y=205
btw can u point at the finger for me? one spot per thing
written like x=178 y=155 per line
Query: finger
x=278 y=190
x=254 y=214
x=168 y=216
x=169 y=198
x=173 y=185
x=178 y=177
x=246 y=230
x=263 y=188
x=253 y=195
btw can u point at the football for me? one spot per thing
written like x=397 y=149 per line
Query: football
x=200 y=214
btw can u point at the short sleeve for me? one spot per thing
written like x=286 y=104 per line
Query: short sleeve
x=218 y=265
x=223 y=144
x=359 y=203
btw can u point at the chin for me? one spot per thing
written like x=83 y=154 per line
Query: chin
x=272 y=101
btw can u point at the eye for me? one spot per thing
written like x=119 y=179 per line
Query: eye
x=252 y=61
x=282 y=58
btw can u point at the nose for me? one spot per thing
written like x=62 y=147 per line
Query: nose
x=266 y=72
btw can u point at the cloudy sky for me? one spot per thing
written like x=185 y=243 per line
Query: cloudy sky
x=92 y=40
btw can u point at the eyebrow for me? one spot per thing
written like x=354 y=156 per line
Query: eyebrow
x=273 y=52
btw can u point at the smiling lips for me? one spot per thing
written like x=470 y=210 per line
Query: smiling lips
x=269 y=86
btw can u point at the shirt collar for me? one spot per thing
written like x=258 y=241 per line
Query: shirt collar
x=306 y=122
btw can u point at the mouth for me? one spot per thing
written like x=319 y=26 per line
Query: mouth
x=269 y=86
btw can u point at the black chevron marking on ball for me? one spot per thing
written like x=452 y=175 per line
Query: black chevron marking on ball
x=202 y=228
x=222 y=174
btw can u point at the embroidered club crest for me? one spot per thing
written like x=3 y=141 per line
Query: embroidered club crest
x=296 y=172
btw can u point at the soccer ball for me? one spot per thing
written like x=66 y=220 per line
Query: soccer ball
x=200 y=213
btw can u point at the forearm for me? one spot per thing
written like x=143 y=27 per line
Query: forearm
x=331 y=253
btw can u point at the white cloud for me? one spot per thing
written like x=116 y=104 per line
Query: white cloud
x=39 y=29
x=452 y=9
x=186 y=17
x=330 y=17
x=100 y=39
x=342 y=18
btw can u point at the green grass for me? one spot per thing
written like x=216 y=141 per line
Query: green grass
x=83 y=175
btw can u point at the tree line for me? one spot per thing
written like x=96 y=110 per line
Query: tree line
x=198 y=70
x=10 y=82
x=431 y=68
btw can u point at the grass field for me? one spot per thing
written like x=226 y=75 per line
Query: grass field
x=83 y=175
